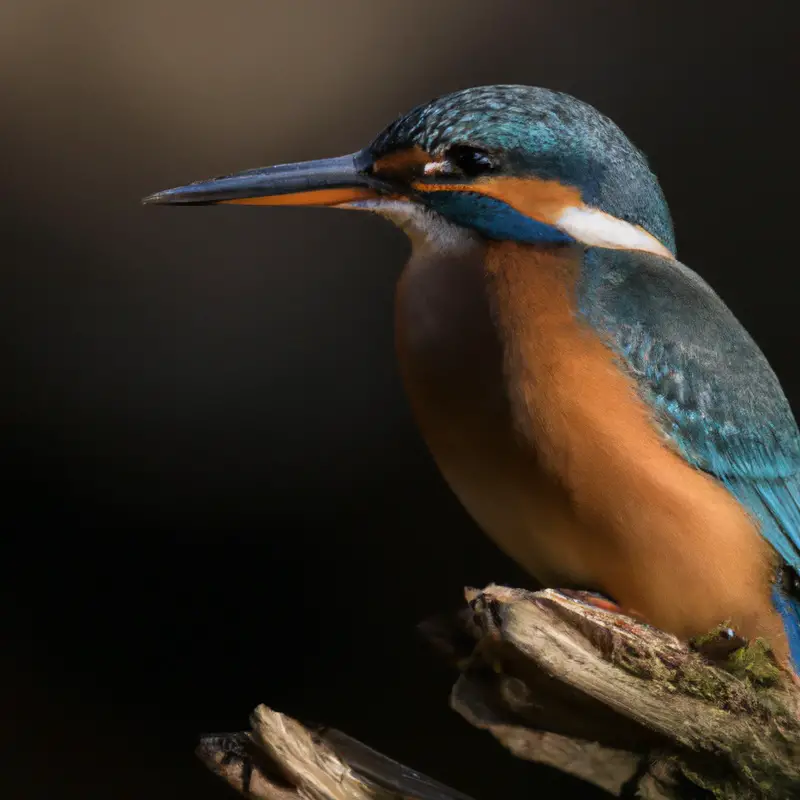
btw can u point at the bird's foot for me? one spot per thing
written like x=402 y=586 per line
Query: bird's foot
x=597 y=600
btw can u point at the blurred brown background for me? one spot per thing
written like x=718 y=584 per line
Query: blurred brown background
x=214 y=494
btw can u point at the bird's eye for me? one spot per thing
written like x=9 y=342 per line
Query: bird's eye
x=470 y=161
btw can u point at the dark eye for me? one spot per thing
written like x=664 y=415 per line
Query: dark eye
x=470 y=161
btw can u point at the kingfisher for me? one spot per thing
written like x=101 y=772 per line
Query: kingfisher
x=592 y=402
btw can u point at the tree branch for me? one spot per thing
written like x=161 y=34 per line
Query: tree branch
x=560 y=681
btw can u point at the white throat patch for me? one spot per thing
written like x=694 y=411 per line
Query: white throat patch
x=425 y=228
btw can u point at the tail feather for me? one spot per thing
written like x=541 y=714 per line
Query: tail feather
x=789 y=609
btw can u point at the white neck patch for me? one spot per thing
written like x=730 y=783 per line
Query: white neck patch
x=598 y=229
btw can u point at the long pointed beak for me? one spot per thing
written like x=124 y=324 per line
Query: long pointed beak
x=326 y=182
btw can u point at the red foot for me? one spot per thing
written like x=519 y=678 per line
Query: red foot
x=603 y=603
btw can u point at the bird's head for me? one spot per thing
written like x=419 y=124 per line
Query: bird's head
x=508 y=162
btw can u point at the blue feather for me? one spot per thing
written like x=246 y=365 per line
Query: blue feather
x=789 y=609
x=493 y=218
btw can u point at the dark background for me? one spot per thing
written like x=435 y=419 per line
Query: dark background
x=214 y=495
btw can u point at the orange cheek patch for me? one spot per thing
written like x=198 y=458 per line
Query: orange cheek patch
x=402 y=163
x=318 y=197
x=537 y=199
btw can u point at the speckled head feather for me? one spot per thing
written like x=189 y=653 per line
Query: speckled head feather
x=541 y=133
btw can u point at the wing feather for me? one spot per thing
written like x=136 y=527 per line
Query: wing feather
x=712 y=390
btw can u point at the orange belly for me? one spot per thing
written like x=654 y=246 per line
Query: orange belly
x=549 y=447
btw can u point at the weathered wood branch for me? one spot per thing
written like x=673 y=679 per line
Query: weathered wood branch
x=280 y=759
x=563 y=682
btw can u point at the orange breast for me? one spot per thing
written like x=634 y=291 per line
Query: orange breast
x=551 y=449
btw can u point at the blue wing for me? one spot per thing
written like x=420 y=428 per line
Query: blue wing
x=714 y=393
